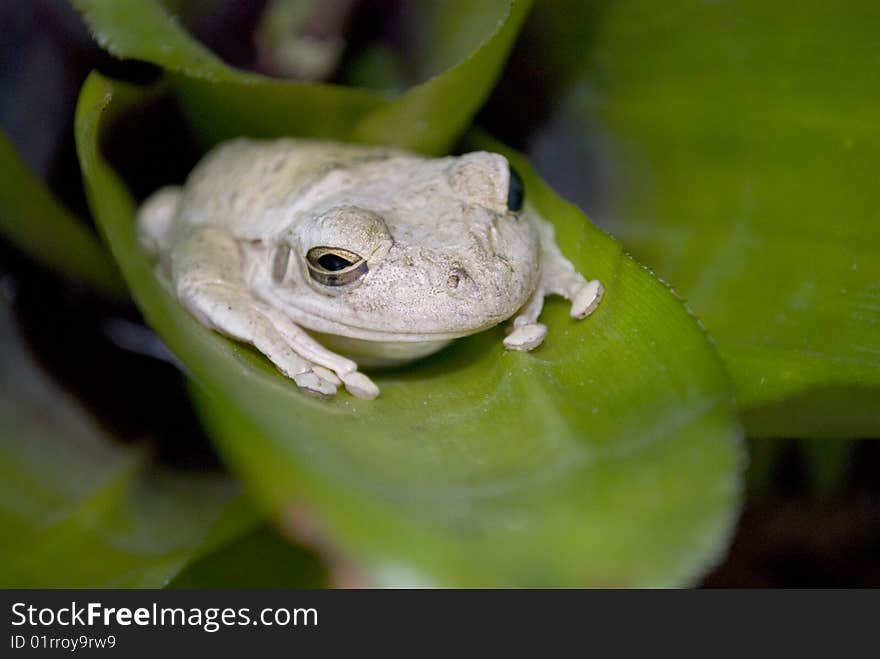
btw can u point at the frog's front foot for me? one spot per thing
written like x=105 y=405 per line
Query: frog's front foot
x=525 y=335
x=315 y=369
x=323 y=382
x=231 y=310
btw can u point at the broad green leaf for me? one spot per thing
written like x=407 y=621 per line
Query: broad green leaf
x=743 y=143
x=223 y=102
x=32 y=220
x=610 y=456
x=78 y=509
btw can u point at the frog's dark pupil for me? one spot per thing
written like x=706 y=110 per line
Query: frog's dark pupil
x=333 y=262
x=516 y=191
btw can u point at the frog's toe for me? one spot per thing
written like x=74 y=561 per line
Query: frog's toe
x=587 y=299
x=327 y=374
x=359 y=385
x=526 y=337
x=312 y=383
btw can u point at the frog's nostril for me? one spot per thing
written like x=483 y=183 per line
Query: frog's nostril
x=456 y=276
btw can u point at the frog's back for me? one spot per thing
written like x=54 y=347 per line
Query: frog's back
x=248 y=187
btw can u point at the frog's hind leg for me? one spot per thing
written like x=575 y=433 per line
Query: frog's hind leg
x=209 y=285
x=154 y=219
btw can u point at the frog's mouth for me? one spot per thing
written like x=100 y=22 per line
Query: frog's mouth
x=377 y=348
x=325 y=326
x=380 y=354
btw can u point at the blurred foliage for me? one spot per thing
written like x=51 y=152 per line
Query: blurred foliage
x=255 y=557
x=739 y=151
x=78 y=509
x=33 y=220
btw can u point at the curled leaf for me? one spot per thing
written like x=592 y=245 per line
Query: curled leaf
x=611 y=456
x=224 y=102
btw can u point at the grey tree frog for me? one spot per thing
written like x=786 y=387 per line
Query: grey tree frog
x=326 y=256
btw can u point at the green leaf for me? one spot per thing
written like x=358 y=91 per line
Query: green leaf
x=428 y=117
x=78 y=509
x=611 y=456
x=442 y=30
x=743 y=144
x=223 y=102
x=32 y=220
x=146 y=30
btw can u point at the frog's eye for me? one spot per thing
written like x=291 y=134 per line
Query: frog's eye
x=334 y=266
x=516 y=192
